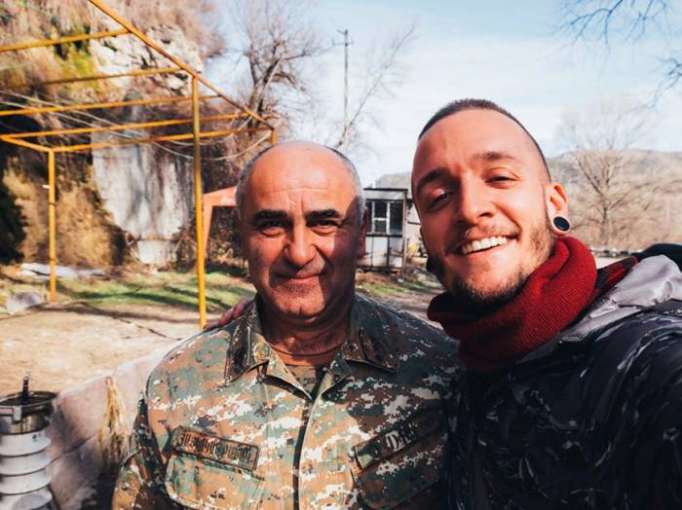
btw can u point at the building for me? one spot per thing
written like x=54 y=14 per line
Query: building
x=392 y=231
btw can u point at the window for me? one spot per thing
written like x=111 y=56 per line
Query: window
x=386 y=217
x=395 y=218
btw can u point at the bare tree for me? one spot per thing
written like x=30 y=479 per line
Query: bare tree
x=617 y=193
x=381 y=74
x=272 y=41
x=277 y=47
x=629 y=19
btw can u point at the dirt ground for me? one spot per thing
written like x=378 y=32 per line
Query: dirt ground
x=62 y=345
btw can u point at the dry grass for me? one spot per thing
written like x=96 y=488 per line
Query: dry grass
x=84 y=236
x=113 y=433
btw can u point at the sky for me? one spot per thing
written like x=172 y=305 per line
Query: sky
x=513 y=53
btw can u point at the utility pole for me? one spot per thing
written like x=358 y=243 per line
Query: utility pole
x=346 y=43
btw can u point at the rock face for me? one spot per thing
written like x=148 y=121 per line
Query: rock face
x=147 y=191
x=125 y=53
x=149 y=195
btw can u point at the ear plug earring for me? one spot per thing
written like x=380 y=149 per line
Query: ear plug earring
x=561 y=223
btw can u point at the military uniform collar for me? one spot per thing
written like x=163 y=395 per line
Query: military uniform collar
x=369 y=339
x=248 y=348
x=368 y=343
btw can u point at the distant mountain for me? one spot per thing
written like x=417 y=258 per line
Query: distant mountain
x=638 y=162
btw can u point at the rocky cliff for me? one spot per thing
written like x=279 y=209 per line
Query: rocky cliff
x=113 y=203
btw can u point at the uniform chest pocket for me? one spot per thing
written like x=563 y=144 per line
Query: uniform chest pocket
x=403 y=466
x=208 y=472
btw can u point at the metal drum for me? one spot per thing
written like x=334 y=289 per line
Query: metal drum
x=24 y=480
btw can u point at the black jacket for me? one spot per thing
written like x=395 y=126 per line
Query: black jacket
x=592 y=420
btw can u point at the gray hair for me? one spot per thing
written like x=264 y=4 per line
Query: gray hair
x=248 y=170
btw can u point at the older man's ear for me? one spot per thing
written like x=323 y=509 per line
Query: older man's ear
x=364 y=225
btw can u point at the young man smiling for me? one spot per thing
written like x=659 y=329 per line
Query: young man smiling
x=573 y=393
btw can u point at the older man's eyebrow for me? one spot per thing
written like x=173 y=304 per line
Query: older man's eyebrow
x=432 y=175
x=269 y=214
x=323 y=214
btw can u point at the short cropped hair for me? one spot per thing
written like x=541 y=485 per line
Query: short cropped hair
x=249 y=167
x=478 y=104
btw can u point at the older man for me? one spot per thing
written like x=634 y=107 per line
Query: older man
x=315 y=397
x=573 y=393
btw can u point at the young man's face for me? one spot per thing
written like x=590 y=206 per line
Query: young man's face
x=301 y=232
x=485 y=200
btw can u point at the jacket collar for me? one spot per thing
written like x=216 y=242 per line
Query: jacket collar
x=368 y=343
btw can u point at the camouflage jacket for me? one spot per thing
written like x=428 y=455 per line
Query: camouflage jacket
x=224 y=424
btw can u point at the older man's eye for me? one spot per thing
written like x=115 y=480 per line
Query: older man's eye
x=270 y=227
x=324 y=226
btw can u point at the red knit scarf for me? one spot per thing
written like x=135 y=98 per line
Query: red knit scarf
x=551 y=299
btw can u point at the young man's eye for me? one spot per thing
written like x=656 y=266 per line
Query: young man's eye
x=501 y=177
x=438 y=199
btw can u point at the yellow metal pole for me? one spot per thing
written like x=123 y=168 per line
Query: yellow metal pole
x=130 y=74
x=123 y=127
x=198 y=202
x=68 y=39
x=151 y=139
x=93 y=106
x=22 y=143
x=52 y=225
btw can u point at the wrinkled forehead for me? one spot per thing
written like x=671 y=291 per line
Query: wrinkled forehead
x=305 y=173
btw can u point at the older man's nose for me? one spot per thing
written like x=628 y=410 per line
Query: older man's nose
x=300 y=249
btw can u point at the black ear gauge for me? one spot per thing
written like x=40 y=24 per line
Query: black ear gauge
x=561 y=223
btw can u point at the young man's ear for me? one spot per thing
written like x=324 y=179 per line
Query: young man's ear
x=364 y=225
x=556 y=200
x=556 y=204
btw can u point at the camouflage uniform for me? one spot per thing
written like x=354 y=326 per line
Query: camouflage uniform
x=224 y=423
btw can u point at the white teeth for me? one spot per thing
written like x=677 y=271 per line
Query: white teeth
x=483 y=244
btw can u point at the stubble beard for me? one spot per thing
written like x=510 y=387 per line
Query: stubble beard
x=476 y=301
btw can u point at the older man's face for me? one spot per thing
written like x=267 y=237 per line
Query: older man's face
x=484 y=200
x=301 y=232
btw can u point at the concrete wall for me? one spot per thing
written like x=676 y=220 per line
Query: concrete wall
x=83 y=432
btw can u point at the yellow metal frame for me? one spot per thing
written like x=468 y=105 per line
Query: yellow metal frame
x=132 y=74
x=127 y=28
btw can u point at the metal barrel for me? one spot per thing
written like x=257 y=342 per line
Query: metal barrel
x=24 y=480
